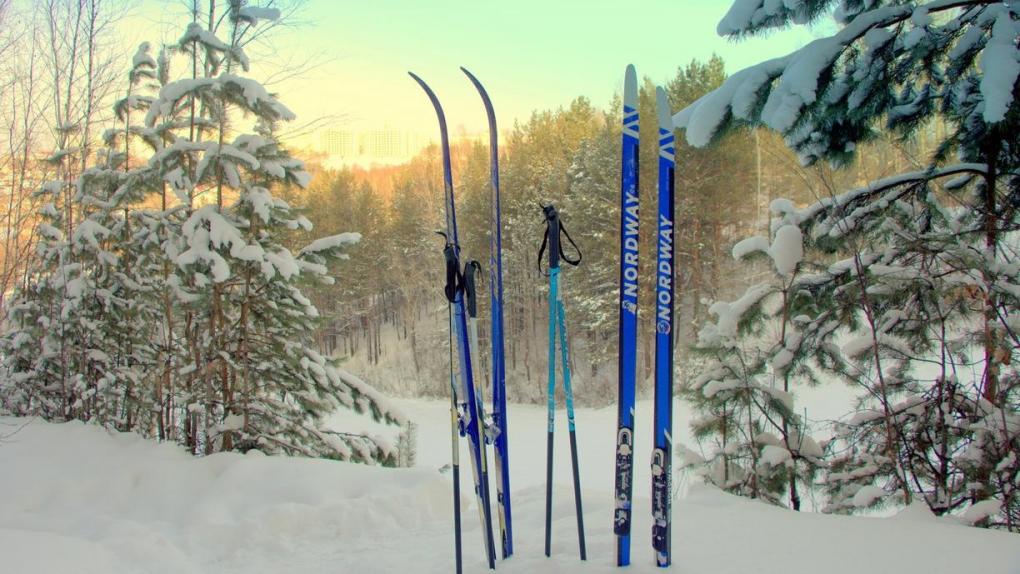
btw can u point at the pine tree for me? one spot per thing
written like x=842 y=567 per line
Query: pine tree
x=757 y=347
x=248 y=325
x=921 y=280
x=188 y=322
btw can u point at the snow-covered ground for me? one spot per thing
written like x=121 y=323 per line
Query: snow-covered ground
x=75 y=498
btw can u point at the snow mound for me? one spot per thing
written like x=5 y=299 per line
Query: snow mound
x=76 y=498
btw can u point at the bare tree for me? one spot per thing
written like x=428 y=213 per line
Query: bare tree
x=23 y=113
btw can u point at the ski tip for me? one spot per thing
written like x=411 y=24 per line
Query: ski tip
x=630 y=90
x=473 y=79
x=663 y=109
x=481 y=89
x=418 y=79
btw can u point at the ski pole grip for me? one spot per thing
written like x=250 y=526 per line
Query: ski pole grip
x=552 y=222
x=452 y=272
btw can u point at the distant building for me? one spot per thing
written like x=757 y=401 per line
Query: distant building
x=379 y=146
x=385 y=144
x=339 y=143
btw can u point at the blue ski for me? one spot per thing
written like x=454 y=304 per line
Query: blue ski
x=471 y=416
x=627 y=360
x=499 y=418
x=662 y=455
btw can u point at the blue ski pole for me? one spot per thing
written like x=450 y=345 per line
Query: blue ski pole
x=557 y=315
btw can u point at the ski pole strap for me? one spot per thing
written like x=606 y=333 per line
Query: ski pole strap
x=553 y=230
x=472 y=268
x=577 y=249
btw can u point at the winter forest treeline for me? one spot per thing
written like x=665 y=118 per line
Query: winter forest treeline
x=391 y=319
x=846 y=216
x=150 y=286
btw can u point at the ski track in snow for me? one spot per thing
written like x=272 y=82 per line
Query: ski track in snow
x=78 y=499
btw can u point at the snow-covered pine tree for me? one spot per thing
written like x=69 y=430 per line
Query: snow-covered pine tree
x=49 y=349
x=755 y=351
x=36 y=382
x=190 y=318
x=118 y=309
x=924 y=283
x=250 y=366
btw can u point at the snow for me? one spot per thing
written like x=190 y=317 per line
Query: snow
x=254 y=94
x=740 y=15
x=702 y=119
x=76 y=498
x=750 y=245
x=921 y=17
x=207 y=231
x=858 y=345
x=196 y=33
x=867 y=495
x=729 y=315
x=916 y=511
x=787 y=249
x=91 y=233
x=745 y=14
x=981 y=510
x=253 y=14
x=774 y=455
x=142 y=57
x=782 y=206
x=810 y=447
x=332 y=242
x=1000 y=66
x=282 y=262
x=799 y=75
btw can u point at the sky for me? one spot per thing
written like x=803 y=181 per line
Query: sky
x=530 y=54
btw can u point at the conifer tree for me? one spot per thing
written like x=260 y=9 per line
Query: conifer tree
x=757 y=347
x=188 y=322
x=922 y=280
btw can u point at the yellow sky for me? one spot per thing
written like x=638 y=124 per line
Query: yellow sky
x=531 y=54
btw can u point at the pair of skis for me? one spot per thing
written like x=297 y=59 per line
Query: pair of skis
x=467 y=411
x=663 y=423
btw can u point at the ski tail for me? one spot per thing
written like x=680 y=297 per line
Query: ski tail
x=662 y=454
x=471 y=294
x=471 y=421
x=500 y=440
x=627 y=360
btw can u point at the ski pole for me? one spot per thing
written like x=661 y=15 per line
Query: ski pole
x=557 y=314
x=553 y=274
x=449 y=289
x=456 y=457
x=569 y=395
